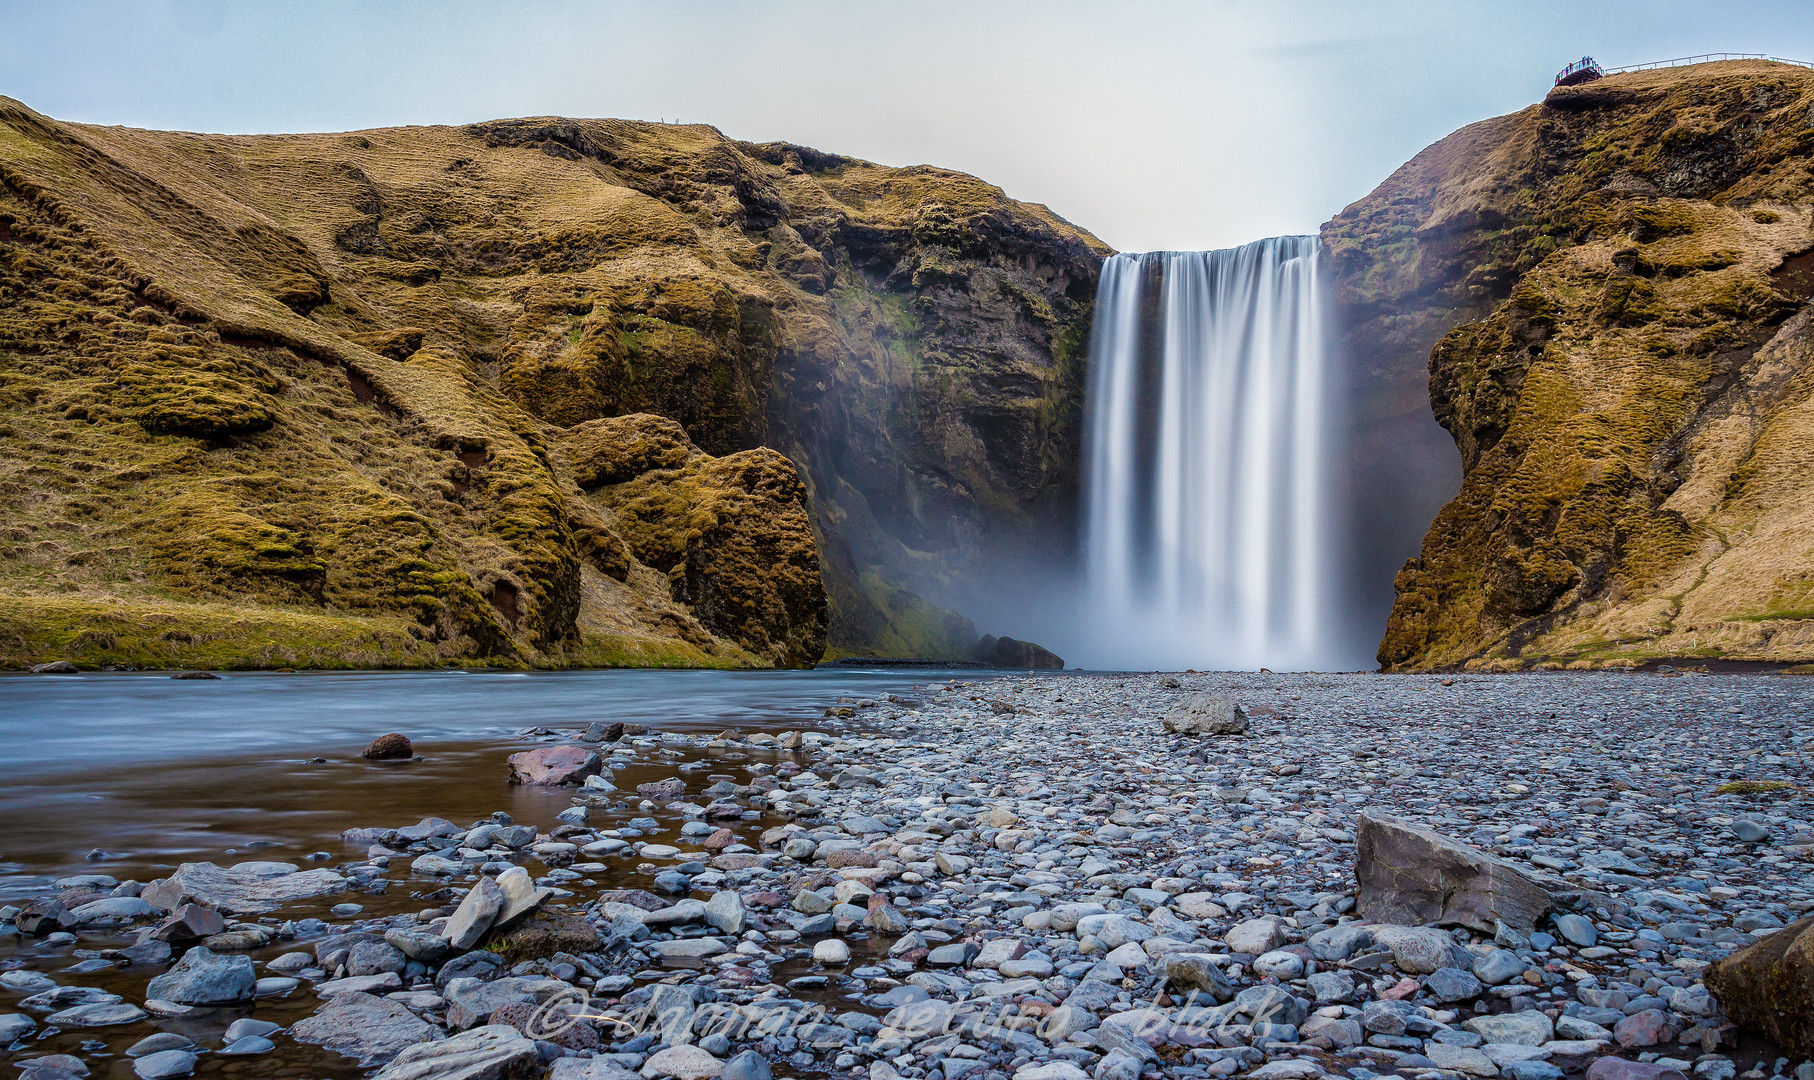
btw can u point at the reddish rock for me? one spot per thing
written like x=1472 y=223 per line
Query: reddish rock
x=572 y=1032
x=673 y=785
x=839 y=860
x=1647 y=1028
x=391 y=747
x=554 y=766
x=724 y=808
x=1612 y=1068
x=1403 y=989
x=736 y=862
x=719 y=840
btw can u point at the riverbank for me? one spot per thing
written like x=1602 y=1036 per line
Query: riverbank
x=1029 y=876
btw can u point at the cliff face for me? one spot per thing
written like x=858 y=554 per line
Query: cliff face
x=349 y=399
x=1615 y=283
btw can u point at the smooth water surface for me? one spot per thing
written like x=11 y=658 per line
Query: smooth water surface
x=145 y=771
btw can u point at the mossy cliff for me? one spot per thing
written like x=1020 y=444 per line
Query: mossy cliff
x=335 y=399
x=1611 y=289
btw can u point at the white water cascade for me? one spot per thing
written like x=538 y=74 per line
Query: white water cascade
x=1208 y=525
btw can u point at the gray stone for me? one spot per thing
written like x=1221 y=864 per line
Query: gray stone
x=1205 y=714
x=1339 y=942
x=246 y=1026
x=245 y=889
x=748 y=1065
x=1113 y=930
x=1576 y=930
x=1528 y=1028
x=113 y=909
x=1495 y=967
x=15 y=1026
x=1415 y=950
x=688 y=948
x=1255 y=936
x=368 y=1029
x=1331 y=986
x=418 y=944
x=473 y=918
x=375 y=958
x=494 y=1052
x=724 y=911
x=105 y=1015
x=1460 y=1058
x=521 y=897
x=163 y=1040
x=684 y=1063
x=1449 y=985
x=1749 y=831
x=250 y=1046
x=164 y=1065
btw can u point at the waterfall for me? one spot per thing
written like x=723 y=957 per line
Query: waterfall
x=1207 y=523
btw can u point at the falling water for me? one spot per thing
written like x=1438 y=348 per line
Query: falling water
x=1207 y=526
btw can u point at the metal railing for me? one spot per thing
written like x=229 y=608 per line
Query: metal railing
x=1703 y=58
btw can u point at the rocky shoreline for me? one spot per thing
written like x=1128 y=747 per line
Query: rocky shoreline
x=1042 y=877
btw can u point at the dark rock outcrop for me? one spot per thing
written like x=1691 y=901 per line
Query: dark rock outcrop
x=1006 y=652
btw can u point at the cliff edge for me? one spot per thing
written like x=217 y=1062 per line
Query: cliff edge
x=1613 y=288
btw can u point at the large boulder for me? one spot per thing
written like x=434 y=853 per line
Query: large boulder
x=1205 y=714
x=1769 y=987
x=1411 y=875
x=554 y=766
x=250 y=888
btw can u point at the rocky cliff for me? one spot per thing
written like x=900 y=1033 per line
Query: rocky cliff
x=1611 y=288
x=512 y=392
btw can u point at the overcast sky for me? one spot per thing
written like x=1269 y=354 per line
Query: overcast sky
x=1153 y=124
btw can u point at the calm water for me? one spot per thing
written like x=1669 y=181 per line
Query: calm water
x=154 y=771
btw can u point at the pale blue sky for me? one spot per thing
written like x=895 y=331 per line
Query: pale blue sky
x=1153 y=124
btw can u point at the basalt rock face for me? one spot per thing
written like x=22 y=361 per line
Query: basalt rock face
x=1612 y=288
x=332 y=399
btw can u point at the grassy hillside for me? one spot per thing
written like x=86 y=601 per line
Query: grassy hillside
x=303 y=399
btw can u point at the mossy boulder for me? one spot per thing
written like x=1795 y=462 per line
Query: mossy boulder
x=622 y=448
x=1769 y=987
x=733 y=534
